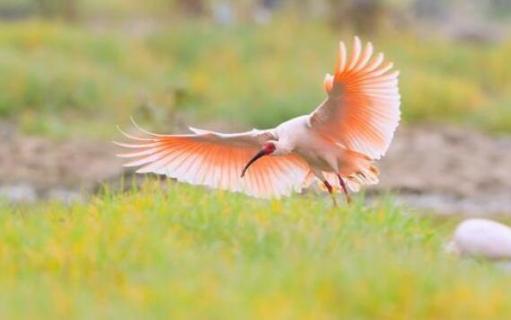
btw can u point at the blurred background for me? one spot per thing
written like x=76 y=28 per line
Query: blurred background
x=71 y=70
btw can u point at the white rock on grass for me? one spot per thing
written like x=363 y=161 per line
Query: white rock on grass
x=482 y=238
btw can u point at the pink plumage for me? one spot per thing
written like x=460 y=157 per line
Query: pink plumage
x=338 y=142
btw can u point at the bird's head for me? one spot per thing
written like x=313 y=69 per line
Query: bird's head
x=269 y=147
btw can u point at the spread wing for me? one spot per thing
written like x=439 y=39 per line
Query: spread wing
x=216 y=160
x=361 y=111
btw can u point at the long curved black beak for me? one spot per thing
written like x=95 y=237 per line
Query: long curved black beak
x=254 y=159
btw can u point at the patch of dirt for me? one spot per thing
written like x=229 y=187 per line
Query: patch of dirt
x=32 y=168
x=449 y=170
x=444 y=169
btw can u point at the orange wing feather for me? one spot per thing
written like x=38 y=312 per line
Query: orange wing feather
x=216 y=160
x=362 y=109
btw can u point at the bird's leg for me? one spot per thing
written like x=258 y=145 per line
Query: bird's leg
x=331 y=191
x=344 y=189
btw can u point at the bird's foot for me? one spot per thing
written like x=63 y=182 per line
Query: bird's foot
x=344 y=189
x=348 y=198
x=334 y=201
x=331 y=192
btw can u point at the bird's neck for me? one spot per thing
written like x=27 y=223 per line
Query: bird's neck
x=284 y=146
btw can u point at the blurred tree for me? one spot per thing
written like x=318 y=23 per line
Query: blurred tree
x=365 y=16
x=15 y=9
x=193 y=8
x=64 y=9
x=430 y=9
x=501 y=7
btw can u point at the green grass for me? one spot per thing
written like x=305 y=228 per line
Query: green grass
x=61 y=80
x=187 y=253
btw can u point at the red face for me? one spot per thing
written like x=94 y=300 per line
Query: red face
x=268 y=147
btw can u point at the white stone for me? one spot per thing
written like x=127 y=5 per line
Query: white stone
x=482 y=238
x=18 y=193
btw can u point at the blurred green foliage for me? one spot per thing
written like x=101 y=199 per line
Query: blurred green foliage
x=189 y=254
x=85 y=78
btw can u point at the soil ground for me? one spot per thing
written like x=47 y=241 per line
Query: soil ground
x=438 y=168
x=449 y=170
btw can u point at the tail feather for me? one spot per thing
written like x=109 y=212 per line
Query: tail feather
x=356 y=169
x=354 y=181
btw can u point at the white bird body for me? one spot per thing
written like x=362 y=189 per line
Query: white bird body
x=338 y=141
x=296 y=135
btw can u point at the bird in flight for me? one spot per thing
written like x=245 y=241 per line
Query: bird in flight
x=337 y=143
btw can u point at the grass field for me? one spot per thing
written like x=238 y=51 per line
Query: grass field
x=186 y=253
x=60 y=80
